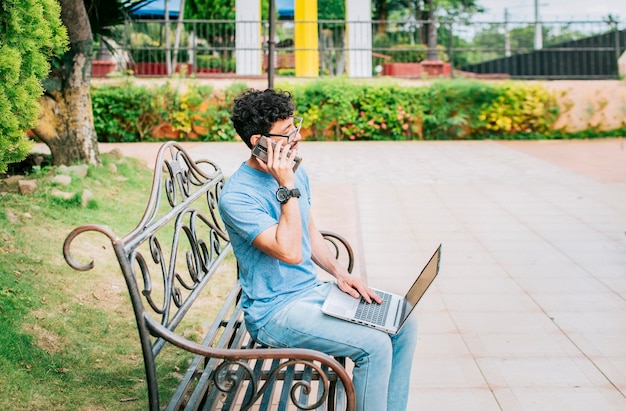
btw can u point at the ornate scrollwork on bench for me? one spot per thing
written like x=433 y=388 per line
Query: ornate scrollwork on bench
x=196 y=235
x=230 y=373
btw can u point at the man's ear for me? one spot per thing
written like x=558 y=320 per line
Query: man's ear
x=254 y=139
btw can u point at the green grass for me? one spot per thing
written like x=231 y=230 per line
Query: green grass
x=69 y=338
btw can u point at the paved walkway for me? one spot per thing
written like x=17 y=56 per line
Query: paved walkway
x=529 y=309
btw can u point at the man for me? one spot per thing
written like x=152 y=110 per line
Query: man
x=266 y=210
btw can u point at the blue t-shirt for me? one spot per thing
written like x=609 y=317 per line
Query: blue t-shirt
x=248 y=206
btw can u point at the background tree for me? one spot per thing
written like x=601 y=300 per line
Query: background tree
x=210 y=9
x=66 y=119
x=332 y=35
x=490 y=43
x=426 y=13
x=30 y=34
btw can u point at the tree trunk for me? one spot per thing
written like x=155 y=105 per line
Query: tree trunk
x=340 y=65
x=381 y=7
x=422 y=33
x=66 y=120
x=432 y=54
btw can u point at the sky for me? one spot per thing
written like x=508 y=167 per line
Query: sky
x=555 y=10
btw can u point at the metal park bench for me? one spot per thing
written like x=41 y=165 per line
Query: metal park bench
x=175 y=262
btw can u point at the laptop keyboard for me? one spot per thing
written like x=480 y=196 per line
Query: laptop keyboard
x=374 y=313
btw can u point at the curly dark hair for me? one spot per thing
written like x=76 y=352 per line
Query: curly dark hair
x=255 y=111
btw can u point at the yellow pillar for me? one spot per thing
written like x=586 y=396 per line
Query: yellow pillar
x=305 y=38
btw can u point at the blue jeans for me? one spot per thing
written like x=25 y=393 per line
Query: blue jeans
x=382 y=362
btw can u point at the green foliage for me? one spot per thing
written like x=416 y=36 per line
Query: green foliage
x=122 y=113
x=519 y=109
x=489 y=43
x=31 y=33
x=217 y=115
x=68 y=341
x=210 y=9
x=335 y=110
x=177 y=108
x=209 y=62
x=388 y=113
x=218 y=63
x=338 y=109
x=331 y=10
x=472 y=109
x=128 y=112
x=327 y=106
x=454 y=107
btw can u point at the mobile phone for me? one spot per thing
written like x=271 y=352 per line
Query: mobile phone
x=260 y=151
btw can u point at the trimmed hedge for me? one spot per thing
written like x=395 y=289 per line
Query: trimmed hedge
x=127 y=112
x=336 y=109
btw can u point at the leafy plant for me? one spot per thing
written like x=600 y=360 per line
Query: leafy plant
x=218 y=111
x=338 y=109
x=122 y=113
x=128 y=112
x=519 y=109
x=453 y=108
x=392 y=113
x=31 y=33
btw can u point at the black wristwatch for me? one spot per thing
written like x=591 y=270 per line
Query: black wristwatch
x=283 y=194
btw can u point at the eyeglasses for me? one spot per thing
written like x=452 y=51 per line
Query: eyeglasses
x=297 y=122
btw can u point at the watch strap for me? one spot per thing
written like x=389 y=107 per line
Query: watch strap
x=283 y=194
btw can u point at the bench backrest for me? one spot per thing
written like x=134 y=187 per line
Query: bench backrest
x=173 y=253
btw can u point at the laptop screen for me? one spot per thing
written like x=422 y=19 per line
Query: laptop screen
x=422 y=282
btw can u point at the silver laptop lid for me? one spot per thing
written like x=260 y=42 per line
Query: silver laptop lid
x=421 y=284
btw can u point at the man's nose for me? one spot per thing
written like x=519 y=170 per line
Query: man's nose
x=297 y=137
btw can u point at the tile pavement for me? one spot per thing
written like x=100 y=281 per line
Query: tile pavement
x=529 y=309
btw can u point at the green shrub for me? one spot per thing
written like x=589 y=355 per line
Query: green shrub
x=127 y=112
x=208 y=62
x=338 y=109
x=217 y=120
x=520 y=109
x=122 y=113
x=31 y=34
x=453 y=109
x=327 y=106
x=222 y=63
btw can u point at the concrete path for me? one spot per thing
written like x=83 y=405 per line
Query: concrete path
x=529 y=309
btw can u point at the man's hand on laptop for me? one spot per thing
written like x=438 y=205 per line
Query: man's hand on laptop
x=357 y=288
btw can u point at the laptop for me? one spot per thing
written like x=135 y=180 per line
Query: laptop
x=390 y=315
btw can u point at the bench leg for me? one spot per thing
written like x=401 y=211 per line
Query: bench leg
x=336 y=397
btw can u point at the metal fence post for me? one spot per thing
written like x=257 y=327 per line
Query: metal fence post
x=271 y=46
x=617 y=48
x=194 y=48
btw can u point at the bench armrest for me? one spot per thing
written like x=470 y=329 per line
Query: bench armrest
x=341 y=247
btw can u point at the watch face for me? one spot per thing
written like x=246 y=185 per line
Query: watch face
x=282 y=194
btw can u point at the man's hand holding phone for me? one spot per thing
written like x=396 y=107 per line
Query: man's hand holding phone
x=277 y=159
x=260 y=151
